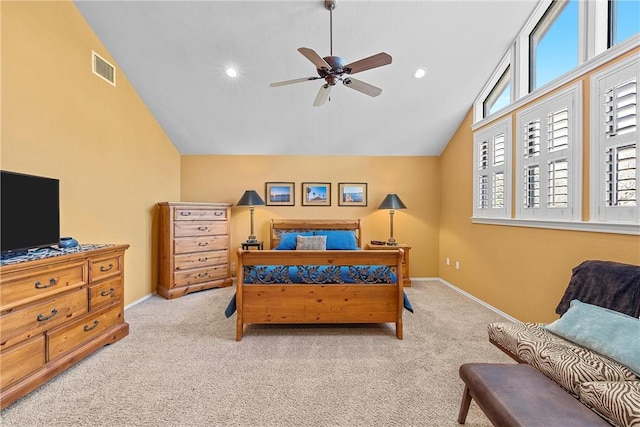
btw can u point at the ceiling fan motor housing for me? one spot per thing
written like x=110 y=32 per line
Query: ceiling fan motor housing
x=332 y=76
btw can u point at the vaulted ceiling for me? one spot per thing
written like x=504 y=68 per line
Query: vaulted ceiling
x=175 y=54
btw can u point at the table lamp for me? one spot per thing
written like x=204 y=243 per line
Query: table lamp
x=391 y=202
x=251 y=198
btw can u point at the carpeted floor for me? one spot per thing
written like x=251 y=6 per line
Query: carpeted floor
x=181 y=366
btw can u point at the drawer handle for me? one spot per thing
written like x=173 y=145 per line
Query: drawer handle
x=203 y=274
x=88 y=328
x=52 y=282
x=185 y=213
x=218 y=213
x=107 y=293
x=203 y=244
x=42 y=318
x=203 y=228
x=202 y=259
x=103 y=268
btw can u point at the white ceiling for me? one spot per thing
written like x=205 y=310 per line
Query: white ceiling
x=175 y=54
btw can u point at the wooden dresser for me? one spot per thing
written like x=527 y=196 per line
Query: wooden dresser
x=194 y=247
x=57 y=310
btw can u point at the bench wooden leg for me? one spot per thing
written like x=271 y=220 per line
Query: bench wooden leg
x=464 y=405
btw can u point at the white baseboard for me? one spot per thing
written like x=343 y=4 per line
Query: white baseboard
x=413 y=280
x=479 y=301
x=138 y=301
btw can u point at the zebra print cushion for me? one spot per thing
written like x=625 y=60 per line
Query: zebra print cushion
x=617 y=402
x=564 y=362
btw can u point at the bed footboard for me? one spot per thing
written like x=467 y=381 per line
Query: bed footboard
x=360 y=302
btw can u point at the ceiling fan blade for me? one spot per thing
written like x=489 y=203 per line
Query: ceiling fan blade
x=322 y=96
x=289 y=82
x=361 y=86
x=373 y=61
x=312 y=56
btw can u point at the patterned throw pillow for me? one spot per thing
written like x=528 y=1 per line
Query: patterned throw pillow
x=288 y=240
x=564 y=362
x=314 y=243
x=616 y=401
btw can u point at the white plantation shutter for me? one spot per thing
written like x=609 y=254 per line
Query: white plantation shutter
x=558 y=183
x=532 y=186
x=492 y=148
x=614 y=143
x=549 y=163
x=620 y=108
x=558 y=132
x=621 y=176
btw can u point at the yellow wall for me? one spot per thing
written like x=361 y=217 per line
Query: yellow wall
x=416 y=180
x=59 y=120
x=521 y=271
x=115 y=163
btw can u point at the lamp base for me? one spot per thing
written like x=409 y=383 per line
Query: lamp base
x=392 y=242
x=251 y=239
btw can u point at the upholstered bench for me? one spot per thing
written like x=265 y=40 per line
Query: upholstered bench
x=519 y=395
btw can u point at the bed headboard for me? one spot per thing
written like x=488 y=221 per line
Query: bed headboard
x=279 y=226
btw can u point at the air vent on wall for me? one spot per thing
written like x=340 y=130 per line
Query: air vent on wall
x=103 y=69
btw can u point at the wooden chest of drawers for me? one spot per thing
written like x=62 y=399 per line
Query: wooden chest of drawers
x=55 y=311
x=194 y=247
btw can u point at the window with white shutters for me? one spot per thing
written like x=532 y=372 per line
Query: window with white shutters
x=549 y=181
x=492 y=176
x=614 y=143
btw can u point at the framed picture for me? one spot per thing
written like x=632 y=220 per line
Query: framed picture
x=279 y=194
x=316 y=194
x=352 y=194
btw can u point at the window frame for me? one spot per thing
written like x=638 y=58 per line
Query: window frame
x=594 y=53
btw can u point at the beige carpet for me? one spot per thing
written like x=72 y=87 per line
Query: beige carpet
x=180 y=366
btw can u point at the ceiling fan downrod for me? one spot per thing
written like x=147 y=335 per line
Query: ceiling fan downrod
x=330 y=5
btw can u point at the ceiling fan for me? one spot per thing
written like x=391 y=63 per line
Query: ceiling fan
x=333 y=69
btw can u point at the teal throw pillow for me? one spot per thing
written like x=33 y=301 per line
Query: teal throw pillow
x=608 y=332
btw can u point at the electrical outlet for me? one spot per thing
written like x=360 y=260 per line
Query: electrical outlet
x=457 y=265
x=448 y=261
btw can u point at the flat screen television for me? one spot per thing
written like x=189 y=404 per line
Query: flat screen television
x=29 y=212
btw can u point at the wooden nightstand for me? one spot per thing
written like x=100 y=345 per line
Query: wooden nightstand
x=258 y=245
x=406 y=279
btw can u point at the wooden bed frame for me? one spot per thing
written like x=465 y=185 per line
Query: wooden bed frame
x=283 y=303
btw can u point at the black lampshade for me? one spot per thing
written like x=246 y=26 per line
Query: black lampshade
x=392 y=201
x=250 y=198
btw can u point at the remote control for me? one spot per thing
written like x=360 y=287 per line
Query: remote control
x=378 y=242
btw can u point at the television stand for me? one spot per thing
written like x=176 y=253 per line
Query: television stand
x=57 y=307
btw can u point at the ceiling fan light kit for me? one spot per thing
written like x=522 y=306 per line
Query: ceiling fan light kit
x=333 y=69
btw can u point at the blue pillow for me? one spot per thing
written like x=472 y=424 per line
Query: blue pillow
x=339 y=240
x=608 y=332
x=288 y=240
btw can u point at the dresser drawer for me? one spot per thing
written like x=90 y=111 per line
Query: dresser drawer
x=201 y=259
x=200 y=275
x=101 y=268
x=71 y=335
x=23 y=287
x=184 y=214
x=21 y=360
x=185 y=245
x=200 y=228
x=34 y=319
x=105 y=293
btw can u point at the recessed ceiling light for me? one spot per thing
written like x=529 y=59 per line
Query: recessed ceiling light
x=419 y=73
x=232 y=72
